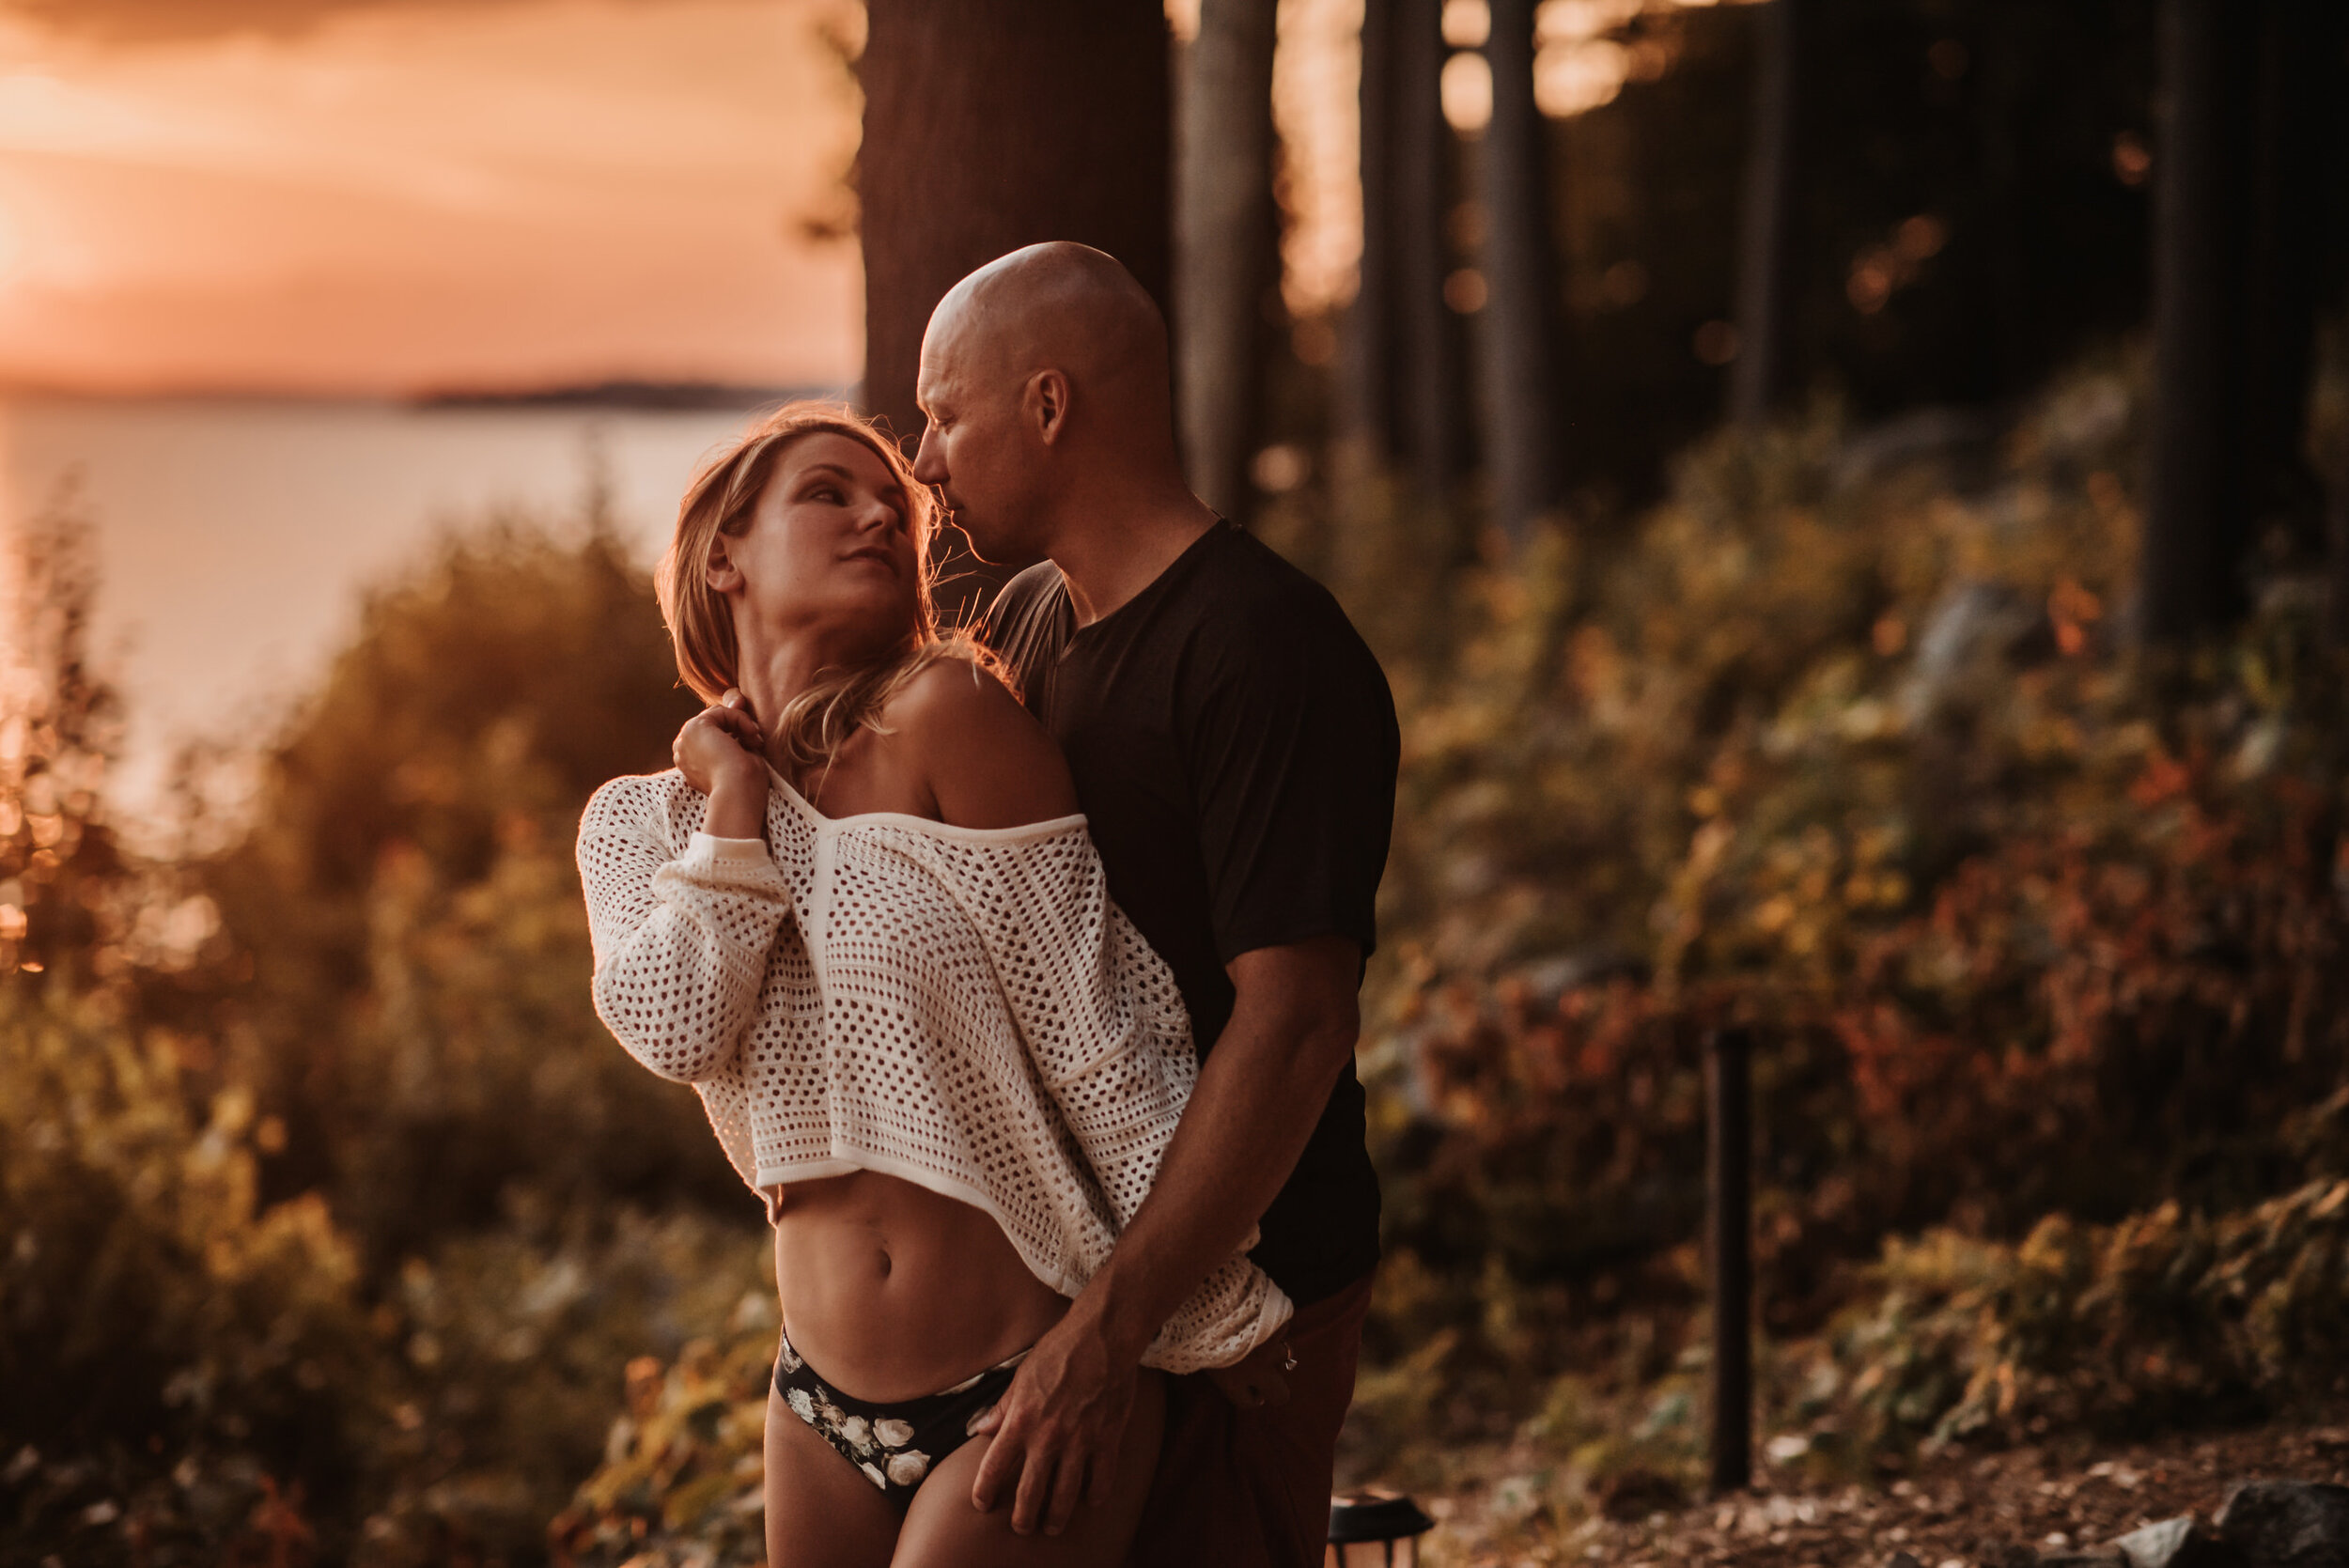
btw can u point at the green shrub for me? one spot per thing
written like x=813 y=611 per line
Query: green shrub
x=404 y=960
x=155 y=1311
x=2164 y=1318
x=683 y=1471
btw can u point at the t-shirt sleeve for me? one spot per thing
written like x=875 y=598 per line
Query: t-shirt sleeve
x=1293 y=747
x=1024 y=626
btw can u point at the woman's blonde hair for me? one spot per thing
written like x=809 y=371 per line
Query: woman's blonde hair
x=720 y=501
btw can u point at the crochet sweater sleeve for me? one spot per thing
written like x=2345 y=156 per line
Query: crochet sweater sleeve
x=681 y=930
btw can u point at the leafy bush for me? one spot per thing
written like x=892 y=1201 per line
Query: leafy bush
x=1842 y=745
x=2167 y=1316
x=407 y=988
x=314 y=1160
x=681 y=1484
x=154 y=1307
x=520 y=1343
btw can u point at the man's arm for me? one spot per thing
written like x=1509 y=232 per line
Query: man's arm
x=1259 y=1096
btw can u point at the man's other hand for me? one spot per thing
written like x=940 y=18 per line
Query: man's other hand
x=1058 y=1428
x=1258 y=1379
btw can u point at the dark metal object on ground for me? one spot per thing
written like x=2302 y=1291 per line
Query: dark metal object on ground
x=1369 y=1530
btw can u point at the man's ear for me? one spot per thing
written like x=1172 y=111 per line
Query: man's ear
x=720 y=571
x=1045 y=403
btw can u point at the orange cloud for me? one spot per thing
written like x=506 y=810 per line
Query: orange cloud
x=148 y=21
x=422 y=194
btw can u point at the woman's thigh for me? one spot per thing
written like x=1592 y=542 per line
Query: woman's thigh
x=944 y=1531
x=821 y=1513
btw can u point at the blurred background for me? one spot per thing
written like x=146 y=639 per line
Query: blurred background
x=1850 y=495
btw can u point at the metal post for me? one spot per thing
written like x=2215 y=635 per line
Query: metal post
x=1729 y=1154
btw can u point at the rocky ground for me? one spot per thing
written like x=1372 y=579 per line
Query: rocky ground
x=2031 y=1506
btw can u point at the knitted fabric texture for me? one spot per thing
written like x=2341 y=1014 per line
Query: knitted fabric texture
x=962 y=1008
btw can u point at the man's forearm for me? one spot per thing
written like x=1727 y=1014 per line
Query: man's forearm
x=1258 y=1098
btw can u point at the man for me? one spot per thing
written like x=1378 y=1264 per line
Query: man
x=1233 y=746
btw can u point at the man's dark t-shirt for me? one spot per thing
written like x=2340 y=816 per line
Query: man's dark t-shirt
x=1233 y=746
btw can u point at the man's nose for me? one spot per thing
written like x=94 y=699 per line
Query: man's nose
x=926 y=466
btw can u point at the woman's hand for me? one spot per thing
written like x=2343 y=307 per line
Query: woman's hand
x=722 y=751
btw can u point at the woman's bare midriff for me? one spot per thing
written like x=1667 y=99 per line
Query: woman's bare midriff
x=893 y=1291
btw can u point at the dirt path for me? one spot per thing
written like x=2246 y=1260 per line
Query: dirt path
x=1991 y=1511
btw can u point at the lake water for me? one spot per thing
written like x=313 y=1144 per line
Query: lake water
x=236 y=537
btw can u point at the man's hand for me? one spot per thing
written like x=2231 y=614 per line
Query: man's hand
x=1058 y=1428
x=1258 y=1379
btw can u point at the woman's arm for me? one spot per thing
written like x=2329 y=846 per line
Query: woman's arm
x=680 y=937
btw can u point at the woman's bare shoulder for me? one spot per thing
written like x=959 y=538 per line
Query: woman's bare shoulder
x=988 y=763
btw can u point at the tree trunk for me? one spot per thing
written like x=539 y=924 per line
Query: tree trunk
x=1519 y=335
x=992 y=126
x=2007 y=357
x=1432 y=391
x=2295 y=160
x=1760 y=377
x=1366 y=395
x=1225 y=240
x=2196 y=522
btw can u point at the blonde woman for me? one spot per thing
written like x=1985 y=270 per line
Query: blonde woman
x=862 y=915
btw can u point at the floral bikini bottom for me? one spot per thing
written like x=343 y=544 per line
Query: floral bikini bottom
x=896 y=1445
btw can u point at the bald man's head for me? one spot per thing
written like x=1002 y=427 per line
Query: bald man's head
x=1057 y=306
x=1042 y=371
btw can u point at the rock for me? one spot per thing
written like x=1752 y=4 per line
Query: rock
x=2177 y=1543
x=2157 y=1546
x=2103 y=1557
x=2288 y=1524
x=1903 y=1559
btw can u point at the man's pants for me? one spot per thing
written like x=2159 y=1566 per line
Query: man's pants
x=1251 y=1488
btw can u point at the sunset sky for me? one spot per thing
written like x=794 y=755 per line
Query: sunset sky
x=386 y=196
x=393 y=195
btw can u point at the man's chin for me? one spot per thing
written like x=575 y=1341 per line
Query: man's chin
x=993 y=547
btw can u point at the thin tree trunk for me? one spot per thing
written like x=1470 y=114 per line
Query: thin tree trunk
x=1431 y=390
x=1761 y=374
x=1366 y=411
x=992 y=126
x=2296 y=151
x=2196 y=522
x=2008 y=351
x=1225 y=234
x=1520 y=337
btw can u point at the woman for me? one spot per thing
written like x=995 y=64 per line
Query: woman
x=862 y=918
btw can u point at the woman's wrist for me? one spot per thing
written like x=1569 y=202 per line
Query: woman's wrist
x=738 y=807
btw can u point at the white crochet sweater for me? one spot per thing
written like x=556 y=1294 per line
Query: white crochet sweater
x=960 y=1007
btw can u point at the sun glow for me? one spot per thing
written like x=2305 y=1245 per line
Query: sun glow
x=417 y=195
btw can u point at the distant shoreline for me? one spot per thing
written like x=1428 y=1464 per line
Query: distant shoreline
x=629 y=394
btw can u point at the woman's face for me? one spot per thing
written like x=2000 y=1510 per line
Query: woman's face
x=829 y=546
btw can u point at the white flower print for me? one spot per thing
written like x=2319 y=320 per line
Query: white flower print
x=970 y=1427
x=875 y=1476
x=893 y=1434
x=801 y=1405
x=857 y=1434
x=908 y=1468
x=788 y=1358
